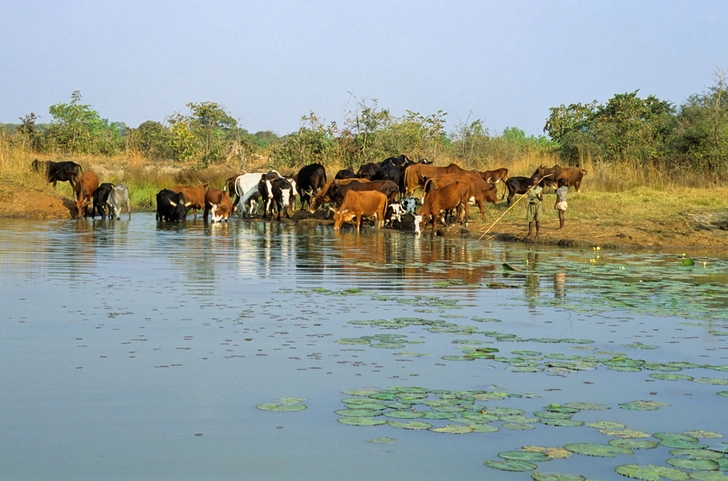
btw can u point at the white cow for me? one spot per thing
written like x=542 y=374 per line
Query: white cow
x=118 y=198
x=246 y=188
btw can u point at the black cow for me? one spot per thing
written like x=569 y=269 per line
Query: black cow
x=309 y=180
x=368 y=170
x=519 y=185
x=65 y=171
x=171 y=206
x=282 y=197
x=347 y=173
x=100 y=198
x=400 y=160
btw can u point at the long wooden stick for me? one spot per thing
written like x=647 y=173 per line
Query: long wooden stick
x=512 y=206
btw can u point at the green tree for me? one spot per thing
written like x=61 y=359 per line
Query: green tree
x=151 y=139
x=183 y=142
x=211 y=124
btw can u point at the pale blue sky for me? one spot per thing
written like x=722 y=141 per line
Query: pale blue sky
x=270 y=62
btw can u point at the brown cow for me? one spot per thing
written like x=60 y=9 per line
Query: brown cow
x=445 y=198
x=572 y=174
x=361 y=204
x=495 y=176
x=194 y=196
x=479 y=190
x=416 y=174
x=337 y=191
x=230 y=189
x=85 y=187
x=219 y=203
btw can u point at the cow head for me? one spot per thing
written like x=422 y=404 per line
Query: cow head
x=418 y=225
x=341 y=216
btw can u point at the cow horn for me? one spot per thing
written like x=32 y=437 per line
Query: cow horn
x=173 y=204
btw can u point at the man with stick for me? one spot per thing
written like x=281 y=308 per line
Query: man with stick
x=534 y=212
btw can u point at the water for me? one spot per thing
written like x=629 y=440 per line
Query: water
x=135 y=351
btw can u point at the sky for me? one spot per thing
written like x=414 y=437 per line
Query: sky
x=269 y=63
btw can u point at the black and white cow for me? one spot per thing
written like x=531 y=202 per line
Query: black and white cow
x=100 y=196
x=171 y=206
x=246 y=189
x=283 y=196
x=396 y=210
x=118 y=198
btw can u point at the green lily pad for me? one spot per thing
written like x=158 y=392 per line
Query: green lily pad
x=358 y=413
x=715 y=381
x=384 y=440
x=415 y=425
x=694 y=464
x=605 y=425
x=643 y=405
x=444 y=416
x=564 y=423
x=632 y=444
x=708 y=476
x=518 y=426
x=722 y=393
x=671 y=377
x=362 y=421
x=453 y=429
x=539 y=476
x=529 y=456
x=697 y=453
x=625 y=433
x=677 y=440
x=281 y=408
x=597 y=449
x=517 y=466
x=704 y=434
x=400 y=414
x=651 y=472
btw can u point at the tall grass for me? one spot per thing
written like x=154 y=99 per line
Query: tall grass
x=145 y=178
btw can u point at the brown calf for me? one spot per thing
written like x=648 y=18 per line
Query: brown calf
x=85 y=187
x=361 y=204
x=219 y=203
x=194 y=196
x=443 y=199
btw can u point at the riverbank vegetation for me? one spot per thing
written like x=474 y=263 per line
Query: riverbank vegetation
x=645 y=158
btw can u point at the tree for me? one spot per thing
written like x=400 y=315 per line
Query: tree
x=210 y=123
x=78 y=128
x=151 y=139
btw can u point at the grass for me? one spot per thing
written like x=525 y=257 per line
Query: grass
x=624 y=193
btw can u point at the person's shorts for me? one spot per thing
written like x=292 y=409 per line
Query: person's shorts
x=561 y=206
x=533 y=213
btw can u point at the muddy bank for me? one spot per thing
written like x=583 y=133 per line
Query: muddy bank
x=704 y=231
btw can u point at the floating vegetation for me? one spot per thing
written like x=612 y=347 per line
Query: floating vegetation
x=516 y=466
x=631 y=444
x=597 y=449
x=642 y=405
x=284 y=405
x=651 y=472
x=539 y=476
x=530 y=456
x=453 y=429
x=553 y=453
x=384 y=440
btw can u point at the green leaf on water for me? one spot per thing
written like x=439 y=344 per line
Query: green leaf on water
x=642 y=405
x=540 y=476
x=597 y=449
x=362 y=421
x=632 y=444
x=651 y=472
x=516 y=466
x=529 y=456
x=384 y=440
x=453 y=429
x=415 y=425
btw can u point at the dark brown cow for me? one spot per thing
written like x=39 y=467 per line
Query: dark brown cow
x=332 y=193
x=441 y=200
x=230 y=189
x=219 y=203
x=479 y=190
x=416 y=174
x=85 y=187
x=572 y=174
x=194 y=196
x=65 y=171
x=495 y=176
x=361 y=204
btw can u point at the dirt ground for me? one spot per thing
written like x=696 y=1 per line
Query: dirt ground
x=707 y=232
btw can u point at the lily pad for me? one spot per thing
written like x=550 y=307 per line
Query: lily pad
x=597 y=449
x=281 y=408
x=632 y=444
x=453 y=429
x=651 y=472
x=384 y=440
x=517 y=466
x=415 y=425
x=530 y=456
x=362 y=421
x=540 y=476
x=643 y=405
x=694 y=464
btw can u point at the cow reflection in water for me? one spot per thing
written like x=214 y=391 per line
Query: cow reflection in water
x=454 y=260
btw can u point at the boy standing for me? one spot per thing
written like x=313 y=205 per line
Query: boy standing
x=534 y=210
x=560 y=204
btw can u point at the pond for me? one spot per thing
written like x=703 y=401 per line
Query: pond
x=254 y=350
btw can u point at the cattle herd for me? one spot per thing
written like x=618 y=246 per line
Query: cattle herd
x=382 y=190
